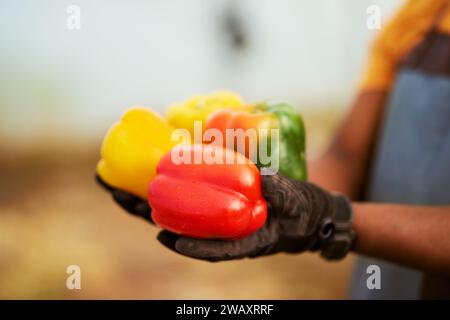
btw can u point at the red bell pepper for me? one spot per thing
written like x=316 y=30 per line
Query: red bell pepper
x=204 y=200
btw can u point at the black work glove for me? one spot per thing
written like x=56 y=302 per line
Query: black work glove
x=301 y=217
x=132 y=204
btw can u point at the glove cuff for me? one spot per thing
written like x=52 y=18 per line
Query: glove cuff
x=336 y=236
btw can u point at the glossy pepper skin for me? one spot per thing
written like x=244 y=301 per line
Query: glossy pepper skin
x=282 y=116
x=132 y=149
x=209 y=201
x=199 y=107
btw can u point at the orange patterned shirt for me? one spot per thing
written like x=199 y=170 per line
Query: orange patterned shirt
x=405 y=30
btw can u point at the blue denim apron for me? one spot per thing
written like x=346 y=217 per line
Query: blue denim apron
x=411 y=166
x=412 y=163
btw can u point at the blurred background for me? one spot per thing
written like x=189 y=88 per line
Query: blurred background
x=61 y=89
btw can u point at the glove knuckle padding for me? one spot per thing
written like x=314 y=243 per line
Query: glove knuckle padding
x=299 y=205
x=319 y=205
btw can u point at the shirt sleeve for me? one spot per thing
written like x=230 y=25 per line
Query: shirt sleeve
x=379 y=71
x=396 y=39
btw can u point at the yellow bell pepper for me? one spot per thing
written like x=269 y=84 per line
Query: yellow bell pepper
x=198 y=108
x=132 y=149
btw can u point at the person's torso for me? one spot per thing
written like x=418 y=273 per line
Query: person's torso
x=411 y=164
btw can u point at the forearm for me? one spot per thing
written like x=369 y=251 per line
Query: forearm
x=333 y=173
x=344 y=166
x=416 y=236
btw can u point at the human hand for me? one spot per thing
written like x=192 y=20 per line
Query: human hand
x=132 y=204
x=302 y=217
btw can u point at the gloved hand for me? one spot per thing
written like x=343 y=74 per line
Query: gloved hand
x=302 y=217
x=132 y=204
